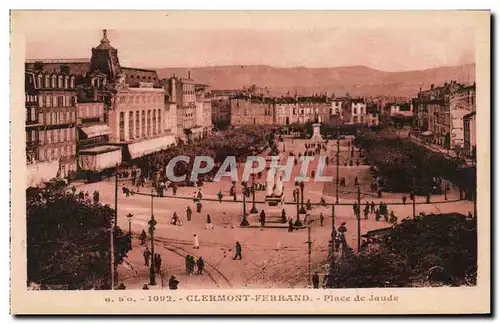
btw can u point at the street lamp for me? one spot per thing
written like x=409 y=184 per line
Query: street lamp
x=152 y=223
x=254 y=209
x=338 y=162
x=129 y=217
x=297 y=221
x=244 y=221
x=358 y=216
x=302 y=209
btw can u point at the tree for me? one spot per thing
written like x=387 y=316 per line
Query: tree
x=68 y=241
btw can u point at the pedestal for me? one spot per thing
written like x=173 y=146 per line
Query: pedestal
x=316 y=137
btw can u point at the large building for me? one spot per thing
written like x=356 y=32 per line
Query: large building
x=121 y=110
x=50 y=123
x=462 y=103
x=354 y=111
x=252 y=111
x=470 y=134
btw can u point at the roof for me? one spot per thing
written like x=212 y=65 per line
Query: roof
x=77 y=67
x=134 y=76
x=469 y=115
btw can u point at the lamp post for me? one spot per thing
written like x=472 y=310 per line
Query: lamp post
x=152 y=223
x=129 y=217
x=244 y=221
x=254 y=209
x=297 y=221
x=302 y=209
x=358 y=216
x=338 y=163
x=445 y=190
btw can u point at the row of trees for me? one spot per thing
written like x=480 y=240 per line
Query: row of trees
x=403 y=166
x=428 y=250
x=68 y=240
x=239 y=142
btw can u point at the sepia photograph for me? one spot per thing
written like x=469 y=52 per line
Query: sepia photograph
x=275 y=159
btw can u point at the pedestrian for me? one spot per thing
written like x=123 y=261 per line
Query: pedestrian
x=357 y=163
x=393 y=219
x=469 y=215
x=209 y=224
x=315 y=280
x=322 y=202
x=404 y=199
x=188 y=213
x=290 y=225
x=73 y=190
x=173 y=283
x=283 y=216
x=356 y=181
x=262 y=218
x=372 y=207
x=142 y=237
x=321 y=219
x=366 y=212
x=175 y=218
x=238 y=251
x=294 y=196
x=219 y=195
x=198 y=207
x=96 y=196
x=147 y=256
x=379 y=193
x=355 y=209
x=157 y=262
x=308 y=204
x=377 y=215
x=196 y=244
x=200 y=264
x=199 y=196
x=313 y=174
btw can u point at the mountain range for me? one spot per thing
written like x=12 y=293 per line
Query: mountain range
x=355 y=80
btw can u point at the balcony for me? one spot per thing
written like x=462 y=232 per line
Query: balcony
x=33 y=123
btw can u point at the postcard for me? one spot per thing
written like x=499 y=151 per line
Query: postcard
x=250 y=162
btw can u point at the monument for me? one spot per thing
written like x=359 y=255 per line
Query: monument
x=316 y=136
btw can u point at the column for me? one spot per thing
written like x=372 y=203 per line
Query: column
x=133 y=135
x=117 y=125
x=159 y=118
x=126 y=125
x=140 y=135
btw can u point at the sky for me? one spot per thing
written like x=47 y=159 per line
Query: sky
x=252 y=39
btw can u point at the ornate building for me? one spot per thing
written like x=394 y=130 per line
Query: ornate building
x=50 y=123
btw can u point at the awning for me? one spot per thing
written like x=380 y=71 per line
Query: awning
x=99 y=158
x=41 y=172
x=427 y=133
x=150 y=146
x=96 y=130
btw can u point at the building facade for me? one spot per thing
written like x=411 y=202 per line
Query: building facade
x=462 y=103
x=51 y=121
x=354 y=111
x=248 y=111
x=469 y=121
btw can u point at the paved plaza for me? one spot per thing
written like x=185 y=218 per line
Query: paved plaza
x=272 y=256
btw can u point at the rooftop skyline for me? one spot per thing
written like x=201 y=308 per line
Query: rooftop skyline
x=393 y=46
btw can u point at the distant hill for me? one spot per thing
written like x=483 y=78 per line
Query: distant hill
x=357 y=80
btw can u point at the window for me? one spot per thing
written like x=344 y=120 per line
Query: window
x=355 y=111
x=66 y=82
x=54 y=118
x=54 y=101
x=60 y=81
x=355 y=119
x=33 y=114
x=42 y=155
x=39 y=81
x=42 y=137
x=61 y=135
x=47 y=81
x=72 y=82
x=47 y=119
x=54 y=81
x=48 y=101
x=56 y=153
x=60 y=102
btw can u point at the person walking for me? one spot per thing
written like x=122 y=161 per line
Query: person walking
x=201 y=265
x=196 y=243
x=157 y=262
x=404 y=199
x=372 y=207
x=209 y=224
x=198 y=207
x=96 y=196
x=315 y=280
x=290 y=225
x=366 y=211
x=187 y=261
x=294 y=196
x=188 y=213
x=238 y=251
x=262 y=218
x=219 y=195
x=321 y=219
x=142 y=237
x=175 y=219
x=283 y=216
x=147 y=256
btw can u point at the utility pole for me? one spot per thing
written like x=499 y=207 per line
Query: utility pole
x=112 y=232
x=358 y=214
x=309 y=250
x=254 y=208
x=302 y=209
x=111 y=236
x=333 y=236
x=338 y=163
x=244 y=221
x=152 y=223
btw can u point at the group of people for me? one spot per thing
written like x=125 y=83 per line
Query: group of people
x=191 y=263
x=84 y=196
x=381 y=211
x=155 y=259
